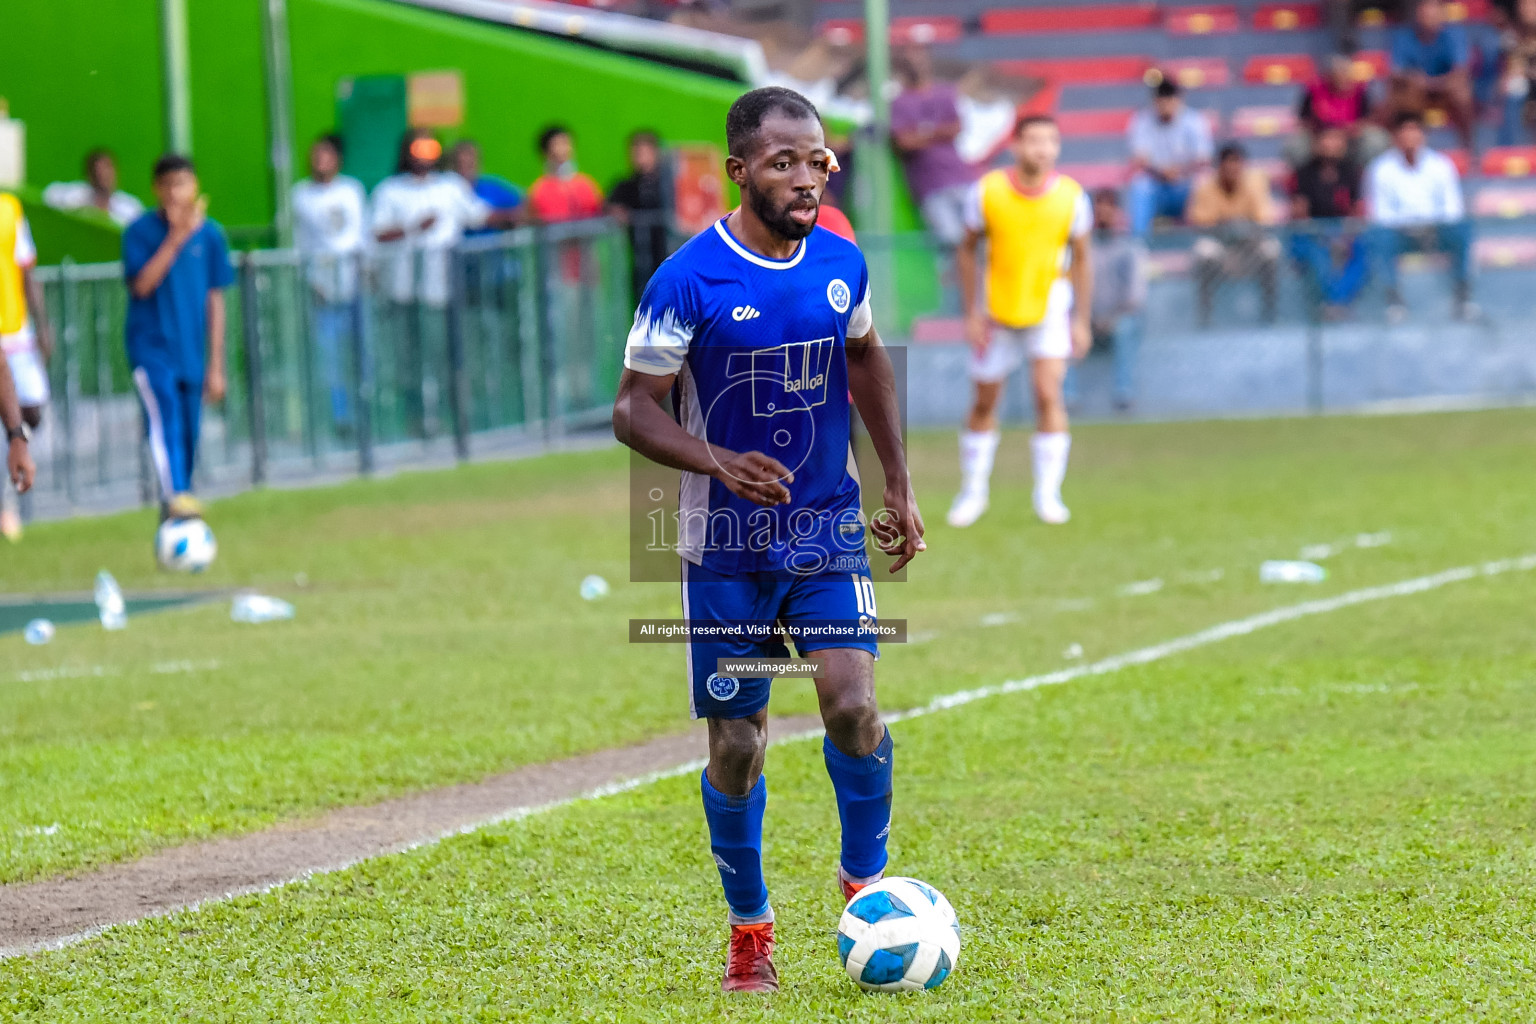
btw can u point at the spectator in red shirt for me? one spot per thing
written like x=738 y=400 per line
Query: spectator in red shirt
x=562 y=193
x=1337 y=99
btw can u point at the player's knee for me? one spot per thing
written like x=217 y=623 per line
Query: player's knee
x=736 y=756
x=852 y=723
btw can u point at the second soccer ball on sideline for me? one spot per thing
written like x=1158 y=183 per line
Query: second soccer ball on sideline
x=185 y=545
x=898 y=935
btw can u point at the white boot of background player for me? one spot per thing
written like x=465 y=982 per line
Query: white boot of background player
x=1049 y=452
x=978 y=449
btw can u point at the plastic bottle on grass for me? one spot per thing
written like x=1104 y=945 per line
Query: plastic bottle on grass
x=110 y=606
x=1280 y=571
x=259 y=608
x=39 y=631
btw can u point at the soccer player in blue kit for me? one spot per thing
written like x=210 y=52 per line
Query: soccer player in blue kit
x=760 y=328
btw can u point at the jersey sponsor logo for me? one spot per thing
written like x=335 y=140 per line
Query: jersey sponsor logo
x=839 y=295
x=722 y=687
x=883 y=832
x=787 y=379
x=741 y=313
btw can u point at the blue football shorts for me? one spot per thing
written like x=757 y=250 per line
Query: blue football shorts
x=732 y=616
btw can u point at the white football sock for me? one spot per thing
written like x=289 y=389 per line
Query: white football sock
x=1050 y=453
x=978 y=448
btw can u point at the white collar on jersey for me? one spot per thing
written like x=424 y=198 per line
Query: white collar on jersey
x=752 y=257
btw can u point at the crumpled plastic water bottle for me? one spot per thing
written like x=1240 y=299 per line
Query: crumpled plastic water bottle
x=38 y=632
x=1281 y=571
x=593 y=587
x=110 y=606
x=259 y=608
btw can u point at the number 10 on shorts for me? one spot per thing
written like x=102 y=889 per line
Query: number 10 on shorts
x=864 y=594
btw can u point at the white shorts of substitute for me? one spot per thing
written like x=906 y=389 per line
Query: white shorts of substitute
x=1009 y=347
x=27 y=368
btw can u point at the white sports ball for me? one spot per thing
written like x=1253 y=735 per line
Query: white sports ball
x=898 y=935
x=185 y=545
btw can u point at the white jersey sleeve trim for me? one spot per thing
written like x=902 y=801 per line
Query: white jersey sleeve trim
x=1082 y=216
x=26 y=252
x=974 y=218
x=862 y=320
x=658 y=342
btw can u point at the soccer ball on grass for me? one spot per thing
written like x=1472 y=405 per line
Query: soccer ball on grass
x=898 y=935
x=185 y=545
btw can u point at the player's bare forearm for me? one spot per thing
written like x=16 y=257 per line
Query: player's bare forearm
x=39 y=313
x=641 y=423
x=1081 y=276
x=898 y=528
x=966 y=263
x=148 y=279
x=872 y=380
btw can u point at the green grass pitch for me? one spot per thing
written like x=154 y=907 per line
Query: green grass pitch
x=1327 y=820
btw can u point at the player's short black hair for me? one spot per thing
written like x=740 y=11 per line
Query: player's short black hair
x=332 y=139
x=1231 y=151
x=1167 y=85
x=751 y=109
x=644 y=136
x=1108 y=196
x=170 y=163
x=1407 y=117
x=96 y=154
x=1029 y=121
x=549 y=134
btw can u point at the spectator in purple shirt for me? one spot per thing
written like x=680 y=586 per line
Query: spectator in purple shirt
x=925 y=121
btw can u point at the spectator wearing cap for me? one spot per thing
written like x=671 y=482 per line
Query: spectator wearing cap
x=1336 y=98
x=98 y=191
x=419 y=215
x=1432 y=67
x=1170 y=145
x=1324 y=191
x=1232 y=209
x=1119 y=295
x=1413 y=201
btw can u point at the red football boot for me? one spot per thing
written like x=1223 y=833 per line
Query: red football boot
x=851 y=889
x=749 y=965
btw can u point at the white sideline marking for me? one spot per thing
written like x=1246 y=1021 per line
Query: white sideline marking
x=1142 y=656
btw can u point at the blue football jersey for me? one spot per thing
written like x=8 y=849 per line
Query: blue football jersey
x=758 y=348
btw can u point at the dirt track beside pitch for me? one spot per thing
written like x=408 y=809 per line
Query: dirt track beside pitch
x=36 y=915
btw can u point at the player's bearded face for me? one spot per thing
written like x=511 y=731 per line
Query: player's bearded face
x=785 y=216
x=785 y=176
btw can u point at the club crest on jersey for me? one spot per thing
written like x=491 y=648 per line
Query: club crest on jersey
x=722 y=687
x=786 y=379
x=839 y=295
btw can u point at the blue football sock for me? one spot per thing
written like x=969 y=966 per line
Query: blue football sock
x=736 y=839
x=863 y=788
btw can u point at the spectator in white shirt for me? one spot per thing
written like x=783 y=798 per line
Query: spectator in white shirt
x=1170 y=145
x=1413 y=201
x=419 y=215
x=98 y=190
x=426 y=212
x=330 y=225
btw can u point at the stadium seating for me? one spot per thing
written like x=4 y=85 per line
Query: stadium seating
x=1200 y=21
